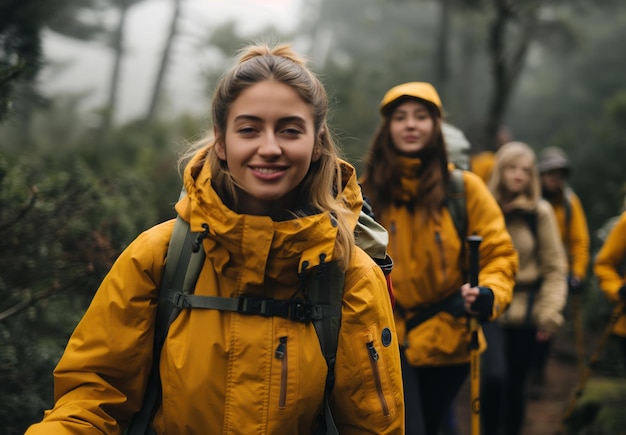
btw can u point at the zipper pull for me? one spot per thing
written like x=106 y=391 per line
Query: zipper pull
x=281 y=350
x=372 y=351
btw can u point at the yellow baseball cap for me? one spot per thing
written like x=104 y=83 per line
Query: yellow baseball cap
x=422 y=90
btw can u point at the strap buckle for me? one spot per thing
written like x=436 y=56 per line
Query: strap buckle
x=301 y=311
x=179 y=299
x=251 y=305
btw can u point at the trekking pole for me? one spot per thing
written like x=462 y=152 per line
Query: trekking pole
x=579 y=330
x=474 y=326
x=578 y=391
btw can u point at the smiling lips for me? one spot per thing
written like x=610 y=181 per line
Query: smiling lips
x=268 y=173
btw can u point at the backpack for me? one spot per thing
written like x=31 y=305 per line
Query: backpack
x=185 y=258
x=457 y=146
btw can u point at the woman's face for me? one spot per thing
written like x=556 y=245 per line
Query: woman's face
x=516 y=175
x=268 y=146
x=411 y=126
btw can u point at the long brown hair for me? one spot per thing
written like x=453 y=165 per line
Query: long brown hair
x=258 y=63
x=382 y=176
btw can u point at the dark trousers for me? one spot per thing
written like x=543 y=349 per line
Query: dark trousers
x=429 y=392
x=540 y=357
x=507 y=363
x=622 y=341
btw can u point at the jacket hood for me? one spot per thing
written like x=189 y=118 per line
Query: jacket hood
x=255 y=247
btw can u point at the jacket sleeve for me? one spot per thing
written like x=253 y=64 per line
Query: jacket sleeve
x=498 y=257
x=552 y=270
x=367 y=397
x=578 y=239
x=609 y=259
x=100 y=380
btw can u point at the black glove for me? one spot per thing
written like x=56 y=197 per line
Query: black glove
x=622 y=292
x=575 y=285
x=483 y=305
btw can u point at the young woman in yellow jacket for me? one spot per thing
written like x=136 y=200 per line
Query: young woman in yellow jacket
x=406 y=178
x=275 y=203
x=610 y=269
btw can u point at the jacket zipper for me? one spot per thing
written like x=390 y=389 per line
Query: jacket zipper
x=442 y=255
x=392 y=231
x=281 y=354
x=379 y=386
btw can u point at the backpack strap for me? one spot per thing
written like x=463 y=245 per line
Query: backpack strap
x=327 y=289
x=456 y=203
x=182 y=267
x=297 y=309
x=567 y=207
x=457 y=207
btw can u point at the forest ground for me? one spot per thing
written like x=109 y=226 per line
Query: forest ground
x=601 y=410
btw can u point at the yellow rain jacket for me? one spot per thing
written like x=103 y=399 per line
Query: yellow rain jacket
x=574 y=232
x=482 y=164
x=220 y=370
x=609 y=261
x=428 y=268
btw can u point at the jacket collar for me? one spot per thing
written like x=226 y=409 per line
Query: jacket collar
x=256 y=247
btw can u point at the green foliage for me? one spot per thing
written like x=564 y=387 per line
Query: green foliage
x=601 y=409
x=58 y=236
x=66 y=212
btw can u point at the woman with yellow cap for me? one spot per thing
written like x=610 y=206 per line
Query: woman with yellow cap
x=407 y=178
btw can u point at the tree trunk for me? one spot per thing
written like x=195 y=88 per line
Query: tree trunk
x=165 y=61
x=442 y=45
x=118 y=53
x=508 y=53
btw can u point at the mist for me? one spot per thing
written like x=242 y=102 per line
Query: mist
x=84 y=67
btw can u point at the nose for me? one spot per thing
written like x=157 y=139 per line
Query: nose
x=411 y=121
x=269 y=145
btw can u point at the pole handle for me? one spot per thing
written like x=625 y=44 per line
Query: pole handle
x=474 y=259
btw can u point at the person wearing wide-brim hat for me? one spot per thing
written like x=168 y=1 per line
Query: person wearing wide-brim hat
x=406 y=177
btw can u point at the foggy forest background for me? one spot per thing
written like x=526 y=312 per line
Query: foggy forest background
x=77 y=185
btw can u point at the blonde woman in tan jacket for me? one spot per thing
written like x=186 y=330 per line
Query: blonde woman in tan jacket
x=540 y=289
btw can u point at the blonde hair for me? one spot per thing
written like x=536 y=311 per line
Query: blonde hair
x=258 y=63
x=505 y=157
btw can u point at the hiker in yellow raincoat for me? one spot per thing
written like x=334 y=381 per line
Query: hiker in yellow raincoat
x=407 y=180
x=555 y=169
x=273 y=205
x=610 y=268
